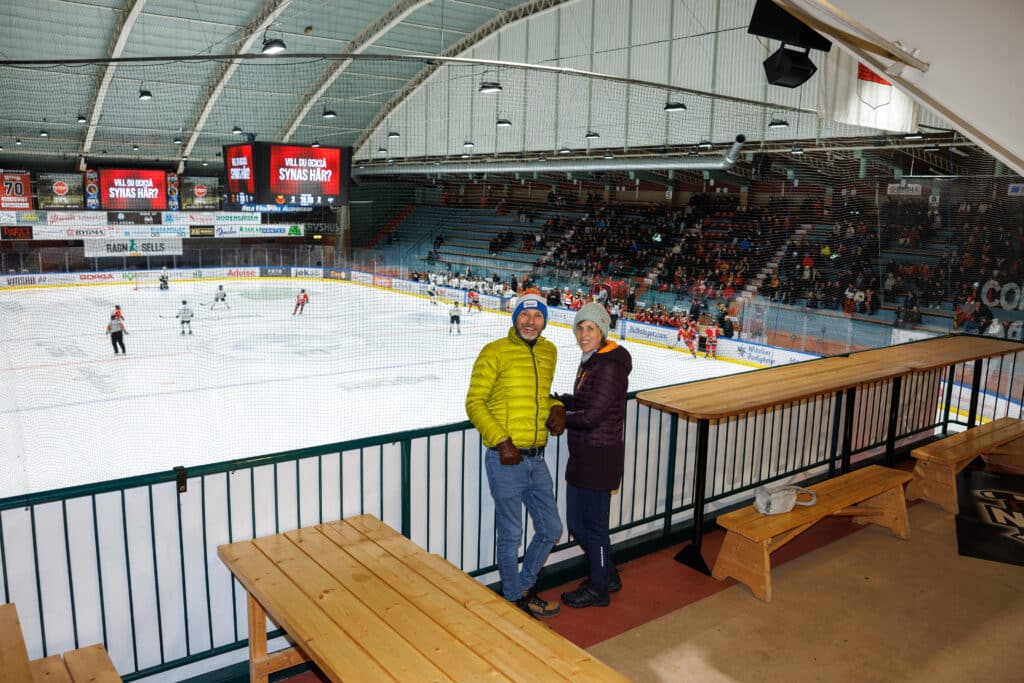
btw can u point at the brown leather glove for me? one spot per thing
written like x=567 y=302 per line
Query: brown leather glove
x=556 y=420
x=508 y=454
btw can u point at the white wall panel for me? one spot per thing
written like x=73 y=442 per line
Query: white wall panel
x=572 y=112
x=608 y=110
x=611 y=37
x=540 y=132
x=436 y=106
x=575 y=27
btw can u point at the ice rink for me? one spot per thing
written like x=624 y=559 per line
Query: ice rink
x=250 y=381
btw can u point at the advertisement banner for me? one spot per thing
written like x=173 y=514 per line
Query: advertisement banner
x=133 y=189
x=235 y=218
x=362 y=278
x=308 y=272
x=908 y=190
x=275 y=271
x=31 y=217
x=92 y=189
x=336 y=274
x=200 y=193
x=91 y=219
x=201 y=231
x=16 y=232
x=133 y=247
x=1015 y=190
x=24 y=280
x=15 y=190
x=240 y=172
x=243 y=272
x=60 y=190
x=70 y=232
x=134 y=217
x=307 y=176
x=270 y=230
x=147 y=231
x=172 y=192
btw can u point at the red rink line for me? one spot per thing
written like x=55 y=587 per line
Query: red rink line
x=87 y=362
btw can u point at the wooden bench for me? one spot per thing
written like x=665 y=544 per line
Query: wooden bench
x=85 y=665
x=939 y=462
x=873 y=494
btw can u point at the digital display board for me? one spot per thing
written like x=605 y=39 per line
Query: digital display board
x=200 y=193
x=240 y=173
x=60 y=190
x=133 y=189
x=307 y=176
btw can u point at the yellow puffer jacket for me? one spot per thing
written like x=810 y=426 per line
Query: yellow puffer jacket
x=510 y=391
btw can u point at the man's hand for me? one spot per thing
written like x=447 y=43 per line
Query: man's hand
x=508 y=454
x=556 y=420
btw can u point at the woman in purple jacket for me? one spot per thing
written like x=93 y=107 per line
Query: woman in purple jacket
x=595 y=417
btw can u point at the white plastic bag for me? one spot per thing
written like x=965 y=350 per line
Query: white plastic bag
x=777 y=501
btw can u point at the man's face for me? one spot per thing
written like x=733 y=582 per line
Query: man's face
x=529 y=323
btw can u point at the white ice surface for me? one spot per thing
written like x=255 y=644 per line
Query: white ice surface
x=250 y=381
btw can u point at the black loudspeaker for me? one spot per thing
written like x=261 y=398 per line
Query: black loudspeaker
x=771 y=21
x=788 y=68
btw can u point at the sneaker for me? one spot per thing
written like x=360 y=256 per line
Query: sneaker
x=614 y=582
x=536 y=606
x=586 y=596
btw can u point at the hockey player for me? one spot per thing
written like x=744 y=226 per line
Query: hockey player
x=220 y=297
x=185 y=315
x=711 y=333
x=474 y=300
x=117 y=313
x=300 y=302
x=164 y=279
x=688 y=333
x=432 y=291
x=117 y=330
x=454 y=315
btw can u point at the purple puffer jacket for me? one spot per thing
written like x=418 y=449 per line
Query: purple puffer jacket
x=594 y=416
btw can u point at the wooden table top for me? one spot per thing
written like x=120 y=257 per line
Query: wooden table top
x=723 y=397
x=364 y=603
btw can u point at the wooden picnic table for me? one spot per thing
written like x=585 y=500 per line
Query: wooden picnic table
x=364 y=603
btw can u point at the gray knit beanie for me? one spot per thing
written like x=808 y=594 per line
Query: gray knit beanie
x=595 y=313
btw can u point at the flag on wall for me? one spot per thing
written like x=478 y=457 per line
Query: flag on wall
x=849 y=92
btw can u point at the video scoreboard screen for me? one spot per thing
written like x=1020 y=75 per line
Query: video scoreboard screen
x=287 y=176
x=133 y=189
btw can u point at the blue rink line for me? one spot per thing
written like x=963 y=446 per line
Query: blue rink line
x=220 y=387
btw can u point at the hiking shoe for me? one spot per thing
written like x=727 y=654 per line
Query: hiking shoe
x=614 y=582
x=536 y=606
x=585 y=596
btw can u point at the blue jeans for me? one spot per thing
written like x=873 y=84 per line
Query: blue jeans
x=512 y=486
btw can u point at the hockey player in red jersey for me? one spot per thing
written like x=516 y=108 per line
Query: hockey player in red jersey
x=711 y=333
x=300 y=302
x=688 y=333
x=474 y=300
x=117 y=314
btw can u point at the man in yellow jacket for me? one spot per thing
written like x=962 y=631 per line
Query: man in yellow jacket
x=509 y=402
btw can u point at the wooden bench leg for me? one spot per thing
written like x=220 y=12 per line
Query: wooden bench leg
x=257 y=641
x=935 y=483
x=746 y=561
x=888 y=509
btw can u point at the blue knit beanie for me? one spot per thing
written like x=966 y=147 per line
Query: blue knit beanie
x=530 y=301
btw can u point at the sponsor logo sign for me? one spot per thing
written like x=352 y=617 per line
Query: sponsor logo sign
x=274 y=271
x=95 y=277
x=24 y=280
x=201 y=231
x=307 y=272
x=83 y=218
x=1015 y=190
x=134 y=217
x=132 y=247
x=382 y=281
x=235 y=218
x=1008 y=296
x=31 y=218
x=200 y=193
x=364 y=278
x=76 y=233
x=243 y=272
x=225 y=231
x=16 y=232
x=336 y=274
x=60 y=190
x=8 y=217
x=908 y=190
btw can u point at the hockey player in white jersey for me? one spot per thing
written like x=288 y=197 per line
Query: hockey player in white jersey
x=220 y=297
x=432 y=291
x=185 y=315
x=454 y=316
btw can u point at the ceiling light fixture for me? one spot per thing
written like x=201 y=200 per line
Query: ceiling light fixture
x=394 y=134
x=135 y=148
x=272 y=46
x=591 y=135
x=778 y=123
x=145 y=95
x=206 y=163
x=914 y=136
x=382 y=150
x=177 y=141
x=693 y=153
x=81 y=118
x=930 y=148
x=565 y=150
x=704 y=144
x=330 y=114
x=43 y=134
x=674 y=107
x=797 y=151
x=464 y=156
x=18 y=141
x=504 y=123
x=236 y=131
x=316 y=143
x=468 y=145
x=609 y=156
x=490 y=87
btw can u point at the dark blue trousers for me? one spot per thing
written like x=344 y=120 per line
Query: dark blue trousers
x=586 y=514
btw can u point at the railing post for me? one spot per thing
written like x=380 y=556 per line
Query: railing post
x=972 y=413
x=670 y=476
x=949 y=399
x=690 y=555
x=837 y=412
x=851 y=397
x=406 y=456
x=894 y=412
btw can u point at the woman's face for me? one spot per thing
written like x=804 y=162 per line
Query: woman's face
x=588 y=336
